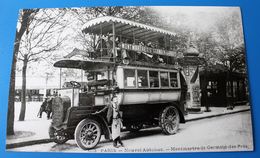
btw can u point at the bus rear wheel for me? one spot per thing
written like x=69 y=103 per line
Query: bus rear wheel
x=87 y=134
x=169 y=120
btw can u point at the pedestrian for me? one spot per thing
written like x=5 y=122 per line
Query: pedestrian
x=114 y=115
x=48 y=108
x=116 y=123
x=43 y=107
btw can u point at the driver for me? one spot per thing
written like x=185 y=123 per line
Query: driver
x=75 y=84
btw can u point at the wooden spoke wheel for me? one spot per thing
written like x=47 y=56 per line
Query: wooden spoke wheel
x=87 y=134
x=169 y=120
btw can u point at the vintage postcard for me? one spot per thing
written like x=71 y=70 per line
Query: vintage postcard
x=137 y=79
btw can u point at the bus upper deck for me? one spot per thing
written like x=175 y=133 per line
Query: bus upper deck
x=124 y=39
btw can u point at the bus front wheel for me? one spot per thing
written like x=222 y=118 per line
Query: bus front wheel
x=87 y=134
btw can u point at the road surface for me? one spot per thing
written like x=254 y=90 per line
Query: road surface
x=231 y=132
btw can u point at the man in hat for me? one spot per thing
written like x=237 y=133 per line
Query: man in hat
x=113 y=112
x=116 y=123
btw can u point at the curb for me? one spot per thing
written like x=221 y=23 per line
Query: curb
x=27 y=143
x=42 y=141
x=216 y=115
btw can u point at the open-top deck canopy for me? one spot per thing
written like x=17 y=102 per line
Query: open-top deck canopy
x=104 y=25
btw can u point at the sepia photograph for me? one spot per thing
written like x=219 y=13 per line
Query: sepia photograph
x=129 y=79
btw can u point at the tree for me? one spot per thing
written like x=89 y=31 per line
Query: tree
x=229 y=35
x=176 y=22
x=24 y=21
x=40 y=40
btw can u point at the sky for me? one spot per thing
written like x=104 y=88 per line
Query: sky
x=199 y=18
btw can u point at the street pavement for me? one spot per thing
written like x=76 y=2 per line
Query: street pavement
x=231 y=132
x=34 y=130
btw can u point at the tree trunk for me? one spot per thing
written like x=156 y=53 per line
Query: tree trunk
x=10 y=114
x=24 y=25
x=23 y=101
x=231 y=85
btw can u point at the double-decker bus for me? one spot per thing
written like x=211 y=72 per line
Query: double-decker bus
x=135 y=63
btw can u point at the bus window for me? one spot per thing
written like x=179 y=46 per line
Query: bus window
x=164 y=79
x=173 y=79
x=142 y=78
x=129 y=78
x=154 y=79
x=102 y=76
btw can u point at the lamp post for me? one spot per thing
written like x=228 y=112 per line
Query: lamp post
x=206 y=79
x=46 y=82
x=60 y=78
x=228 y=84
x=206 y=87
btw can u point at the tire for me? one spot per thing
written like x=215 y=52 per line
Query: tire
x=87 y=134
x=169 y=120
x=59 y=137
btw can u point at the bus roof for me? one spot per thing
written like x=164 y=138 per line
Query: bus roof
x=103 y=25
x=83 y=64
x=94 y=65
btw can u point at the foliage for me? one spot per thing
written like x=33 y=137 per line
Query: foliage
x=41 y=38
x=42 y=35
x=24 y=21
x=42 y=32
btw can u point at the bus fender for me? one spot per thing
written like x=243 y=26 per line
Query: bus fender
x=104 y=126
